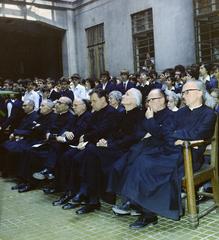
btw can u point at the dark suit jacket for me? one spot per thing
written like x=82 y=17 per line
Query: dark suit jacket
x=102 y=124
x=26 y=125
x=120 y=87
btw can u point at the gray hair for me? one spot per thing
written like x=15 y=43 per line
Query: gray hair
x=208 y=100
x=137 y=95
x=173 y=95
x=117 y=95
x=48 y=103
x=30 y=102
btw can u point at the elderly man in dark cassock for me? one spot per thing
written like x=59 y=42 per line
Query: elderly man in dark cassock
x=18 y=139
x=63 y=122
x=102 y=124
x=98 y=159
x=37 y=136
x=83 y=115
x=153 y=180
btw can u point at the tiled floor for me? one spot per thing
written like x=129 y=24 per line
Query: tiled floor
x=31 y=216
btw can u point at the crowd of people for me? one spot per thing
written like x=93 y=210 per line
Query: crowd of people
x=116 y=136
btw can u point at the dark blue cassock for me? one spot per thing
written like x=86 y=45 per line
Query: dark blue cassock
x=62 y=123
x=101 y=125
x=153 y=180
x=98 y=161
x=16 y=116
x=158 y=127
x=34 y=159
x=24 y=130
x=78 y=127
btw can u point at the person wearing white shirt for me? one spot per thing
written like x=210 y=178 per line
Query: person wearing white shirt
x=30 y=94
x=78 y=90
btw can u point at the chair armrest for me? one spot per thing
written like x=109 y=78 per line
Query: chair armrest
x=195 y=143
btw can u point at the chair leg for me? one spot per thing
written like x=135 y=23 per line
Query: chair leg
x=192 y=208
x=215 y=189
x=190 y=186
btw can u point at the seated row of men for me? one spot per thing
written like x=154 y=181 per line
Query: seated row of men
x=97 y=154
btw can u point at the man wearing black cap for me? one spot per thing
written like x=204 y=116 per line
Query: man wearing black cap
x=78 y=90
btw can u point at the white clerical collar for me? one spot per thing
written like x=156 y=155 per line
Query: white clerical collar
x=192 y=108
x=63 y=112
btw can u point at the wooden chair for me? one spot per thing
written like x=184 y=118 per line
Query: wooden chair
x=192 y=180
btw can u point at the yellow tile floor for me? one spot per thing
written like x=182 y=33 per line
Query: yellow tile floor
x=31 y=216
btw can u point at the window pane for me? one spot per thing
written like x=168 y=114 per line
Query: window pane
x=143 y=39
x=95 y=45
x=207 y=30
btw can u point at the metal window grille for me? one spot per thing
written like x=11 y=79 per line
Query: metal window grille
x=207 y=30
x=95 y=45
x=143 y=39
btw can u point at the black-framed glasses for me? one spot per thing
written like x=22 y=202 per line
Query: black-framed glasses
x=189 y=90
x=152 y=99
x=58 y=102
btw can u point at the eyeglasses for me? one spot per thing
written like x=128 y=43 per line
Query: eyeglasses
x=76 y=105
x=189 y=90
x=152 y=99
x=58 y=102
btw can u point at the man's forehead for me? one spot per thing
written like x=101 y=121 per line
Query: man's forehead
x=94 y=96
x=189 y=86
x=154 y=93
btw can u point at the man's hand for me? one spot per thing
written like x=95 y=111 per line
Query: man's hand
x=69 y=135
x=149 y=113
x=81 y=139
x=82 y=145
x=102 y=143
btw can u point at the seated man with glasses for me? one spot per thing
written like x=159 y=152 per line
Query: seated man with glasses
x=62 y=123
x=156 y=123
x=17 y=140
x=152 y=181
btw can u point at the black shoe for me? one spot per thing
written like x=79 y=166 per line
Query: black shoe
x=79 y=198
x=70 y=205
x=62 y=200
x=25 y=188
x=17 y=186
x=88 y=208
x=49 y=190
x=143 y=221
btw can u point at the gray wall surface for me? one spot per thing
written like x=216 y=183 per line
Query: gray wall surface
x=173 y=32
x=172 y=20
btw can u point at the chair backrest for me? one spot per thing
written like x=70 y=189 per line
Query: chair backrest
x=208 y=172
x=214 y=148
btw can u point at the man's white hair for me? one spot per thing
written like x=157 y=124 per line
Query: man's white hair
x=30 y=102
x=137 y=95
x=208 y=100
x=48 y=103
